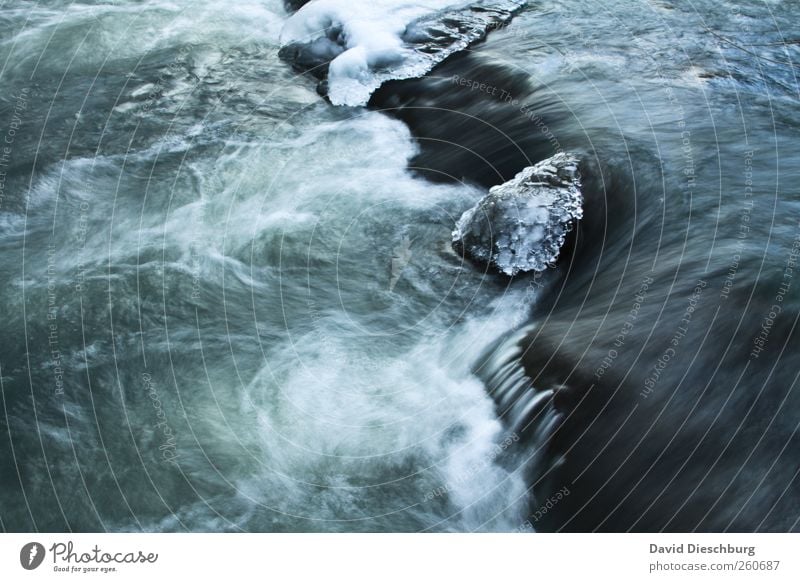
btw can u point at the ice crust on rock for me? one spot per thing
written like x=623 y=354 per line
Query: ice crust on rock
x=521 y=225
x=356 y=47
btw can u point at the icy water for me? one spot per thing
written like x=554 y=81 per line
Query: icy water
x=230 y=305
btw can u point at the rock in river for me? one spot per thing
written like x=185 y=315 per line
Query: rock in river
x=521 y=225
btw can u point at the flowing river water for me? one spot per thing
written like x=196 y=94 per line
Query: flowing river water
x=229 y=304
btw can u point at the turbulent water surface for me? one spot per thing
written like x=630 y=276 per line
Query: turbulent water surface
x=229 y=304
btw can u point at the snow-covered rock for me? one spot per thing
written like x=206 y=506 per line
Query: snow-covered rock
x=521 y=225
x=354 y=47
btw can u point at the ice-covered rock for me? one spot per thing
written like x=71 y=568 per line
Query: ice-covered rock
x=354 y=47
x=521 y=225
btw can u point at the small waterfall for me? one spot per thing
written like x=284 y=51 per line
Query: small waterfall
x=526 y=410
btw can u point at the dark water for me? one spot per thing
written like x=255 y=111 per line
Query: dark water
x=229 y=305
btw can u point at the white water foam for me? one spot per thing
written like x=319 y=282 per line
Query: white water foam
x=347 y=429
